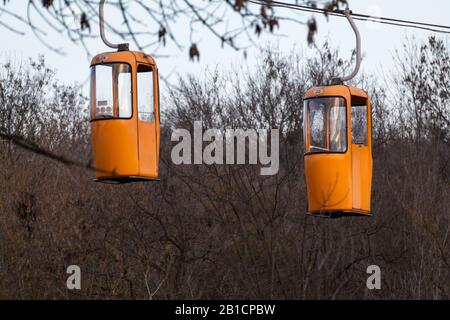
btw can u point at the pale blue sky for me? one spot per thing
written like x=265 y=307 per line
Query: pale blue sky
x=378 y=41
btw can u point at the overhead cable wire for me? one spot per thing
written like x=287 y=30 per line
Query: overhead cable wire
x=357 y=16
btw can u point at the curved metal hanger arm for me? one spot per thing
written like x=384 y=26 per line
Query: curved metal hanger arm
x=120 y=47
x=349 y=77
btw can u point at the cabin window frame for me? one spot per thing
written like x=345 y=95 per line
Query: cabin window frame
x=91 y=109
x=307 y=132
x=365 y=143
x=155 y=95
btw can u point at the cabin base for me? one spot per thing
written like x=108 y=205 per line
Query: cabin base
x=123 y=180
x=339 y=214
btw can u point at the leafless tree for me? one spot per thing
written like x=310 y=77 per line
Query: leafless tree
x=222 y=231
x=151 y=25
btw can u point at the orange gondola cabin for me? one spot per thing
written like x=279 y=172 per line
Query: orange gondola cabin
x=338 y=151
x=125 y=116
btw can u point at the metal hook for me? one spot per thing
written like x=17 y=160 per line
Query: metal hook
x=120 y=47
x=348 y=13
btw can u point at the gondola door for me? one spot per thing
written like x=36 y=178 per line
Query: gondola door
x=114 y=133
x=361 y=154
x=148 y=120
x=327 y=159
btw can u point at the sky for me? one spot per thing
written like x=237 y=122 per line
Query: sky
x=379 y=42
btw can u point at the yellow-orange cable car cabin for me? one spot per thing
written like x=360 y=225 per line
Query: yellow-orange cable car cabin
x=338 y=164
x=338 y=151
x=125 y=119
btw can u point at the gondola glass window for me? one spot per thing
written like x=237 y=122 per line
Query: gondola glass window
x=326 y=126
x=359 y=125
x=111 y=91
x=317 y=121
x=146 y=103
